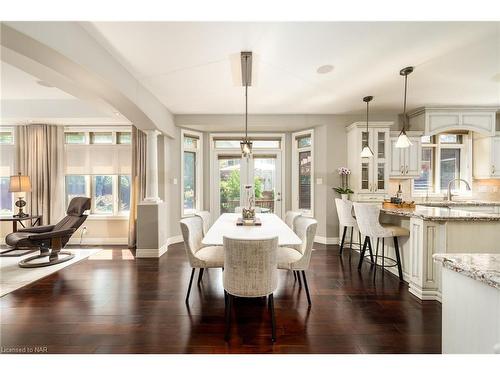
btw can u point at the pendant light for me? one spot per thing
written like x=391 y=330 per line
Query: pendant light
x=246 y=76
x=367 y=151
x=403 y=140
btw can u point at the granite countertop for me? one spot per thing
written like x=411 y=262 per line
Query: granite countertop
x=441 y=214
x=482 y=267
x=459 y=203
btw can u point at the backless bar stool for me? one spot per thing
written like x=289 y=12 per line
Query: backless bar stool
x=346 y=220
x=367 y=217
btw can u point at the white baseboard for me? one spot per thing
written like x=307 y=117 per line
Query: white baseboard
x=156 y=253
x=99 y=241
x=326 y=240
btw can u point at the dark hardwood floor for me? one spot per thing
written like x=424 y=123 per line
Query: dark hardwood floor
x=114 y=304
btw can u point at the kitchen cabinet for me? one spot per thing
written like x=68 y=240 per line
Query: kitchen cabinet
x=486 y=156
x=405 y=162
x=369 y=176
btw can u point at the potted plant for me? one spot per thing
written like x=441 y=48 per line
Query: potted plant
x=344 y=190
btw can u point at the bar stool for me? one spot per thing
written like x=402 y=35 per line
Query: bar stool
x=367 y=217
x=344 y=211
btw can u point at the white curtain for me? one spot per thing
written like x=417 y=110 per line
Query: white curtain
x=40 y=156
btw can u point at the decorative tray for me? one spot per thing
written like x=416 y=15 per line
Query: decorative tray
x=255 y=222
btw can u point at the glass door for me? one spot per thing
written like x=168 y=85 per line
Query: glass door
x=262 y=172
x=266 y=179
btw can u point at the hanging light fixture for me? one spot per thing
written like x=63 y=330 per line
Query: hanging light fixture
x=246 y=78
x=367 y=151
x=403 y=140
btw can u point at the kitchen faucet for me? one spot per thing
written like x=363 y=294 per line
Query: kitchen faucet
x=451 y=182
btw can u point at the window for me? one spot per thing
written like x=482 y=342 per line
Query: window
x=98 y=165
x=101 y=137
x=124 y=138
x=444 y=158
x=256 y=143
x=191 y=172
x=303 y=172
x=7 y=169
x=75 y=138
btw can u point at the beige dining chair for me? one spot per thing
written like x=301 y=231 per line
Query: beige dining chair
x=199 y=256
x=297 y=258
x=367 y=217
x=290 y=217
x=250 y=270
x=205 y=216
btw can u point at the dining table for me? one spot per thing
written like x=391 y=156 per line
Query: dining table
x=271 y=226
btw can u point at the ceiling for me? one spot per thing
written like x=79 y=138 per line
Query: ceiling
x=19 y=85
x=193 y=67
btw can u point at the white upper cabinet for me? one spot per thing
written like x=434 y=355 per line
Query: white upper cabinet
x=486 y=156
x=405 y=162
x=369 y=176
x=434 y=120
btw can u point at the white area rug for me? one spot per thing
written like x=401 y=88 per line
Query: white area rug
x=13 y=277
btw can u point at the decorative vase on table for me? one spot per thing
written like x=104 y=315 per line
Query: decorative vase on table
x=345 y=197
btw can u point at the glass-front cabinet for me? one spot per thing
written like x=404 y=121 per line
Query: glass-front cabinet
x=369 y=176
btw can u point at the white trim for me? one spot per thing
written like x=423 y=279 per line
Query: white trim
x=75 y=240
x=214 y=185
x=199 y=170
x=326 y=240
x=156 y=253
x=295 y=174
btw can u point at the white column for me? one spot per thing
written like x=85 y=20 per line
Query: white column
x=152 y=167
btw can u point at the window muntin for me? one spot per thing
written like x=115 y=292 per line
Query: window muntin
x=256 y=143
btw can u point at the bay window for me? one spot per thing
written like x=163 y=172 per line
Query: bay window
x=303 y=172
x=445 y=157
x=191 y=170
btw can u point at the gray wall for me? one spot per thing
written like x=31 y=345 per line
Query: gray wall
x=330 y=153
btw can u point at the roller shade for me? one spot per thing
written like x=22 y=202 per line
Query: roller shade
x=7 y=160
x=98 y=159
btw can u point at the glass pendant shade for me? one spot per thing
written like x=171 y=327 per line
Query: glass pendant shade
x=403 y=141
x=246 y=148
x=367 y=152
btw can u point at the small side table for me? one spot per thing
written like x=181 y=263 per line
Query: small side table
x=34 y=220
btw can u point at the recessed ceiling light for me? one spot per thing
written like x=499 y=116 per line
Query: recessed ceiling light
x=323 y=69
x=117 y=113
x=44 y=84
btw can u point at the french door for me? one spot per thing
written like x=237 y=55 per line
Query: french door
x=236 y=178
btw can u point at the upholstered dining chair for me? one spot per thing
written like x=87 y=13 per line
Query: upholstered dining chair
x=250 y=270
x=297 y=258
x=367 y=217
x=346 y=220
x=205 y=216
x=199 y=256
x=290 y=217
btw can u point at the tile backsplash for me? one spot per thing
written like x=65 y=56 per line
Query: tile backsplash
x=488 y=190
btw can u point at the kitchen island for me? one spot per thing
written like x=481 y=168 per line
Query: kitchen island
x=471 y=302
x=439 y=230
